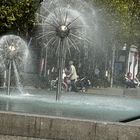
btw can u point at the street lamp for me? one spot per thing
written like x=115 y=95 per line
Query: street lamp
x=112 y=66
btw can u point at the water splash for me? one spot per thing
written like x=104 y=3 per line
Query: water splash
x=65 y=24
x=74 y=21
x=13 y=56
x=18 y=80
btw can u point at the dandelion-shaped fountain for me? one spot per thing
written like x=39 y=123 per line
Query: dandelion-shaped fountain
x=13 y=54
x=65 y=24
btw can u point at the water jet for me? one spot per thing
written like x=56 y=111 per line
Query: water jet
x=13 y=55
x=65 y=26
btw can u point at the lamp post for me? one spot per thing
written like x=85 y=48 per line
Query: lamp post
x=125 y=55
x=112 y=66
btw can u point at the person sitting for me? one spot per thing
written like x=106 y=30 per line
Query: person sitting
x=129 y=81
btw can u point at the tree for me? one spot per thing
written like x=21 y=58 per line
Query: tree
x=120 y=17
x=118 y=23
x=17 y=15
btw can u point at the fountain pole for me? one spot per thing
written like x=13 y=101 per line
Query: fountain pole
x=13 y=53
x=62 y=28
x=5 y=78
x=60 y=69
x=9 y=77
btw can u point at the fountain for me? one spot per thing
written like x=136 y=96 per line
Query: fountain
x=13 y=56
x=65 y=25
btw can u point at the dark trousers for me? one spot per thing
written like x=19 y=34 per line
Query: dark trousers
x=130 y=84
x=73 y=86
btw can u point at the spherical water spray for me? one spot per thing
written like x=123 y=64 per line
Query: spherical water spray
x=13 y=53
x=65 y=25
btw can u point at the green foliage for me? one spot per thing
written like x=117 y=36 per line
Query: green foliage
x=120 y=17
x=17 y=15
x=118 y=23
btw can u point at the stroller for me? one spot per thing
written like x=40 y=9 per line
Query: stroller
x=83 y=84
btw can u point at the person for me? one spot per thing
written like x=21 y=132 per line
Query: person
x=63 y=74
x=73 y=76
x=129 y=81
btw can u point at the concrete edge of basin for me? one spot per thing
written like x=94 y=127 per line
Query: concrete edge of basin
x=49 y=127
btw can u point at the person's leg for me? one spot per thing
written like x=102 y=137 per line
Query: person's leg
x=73 y=86
x=130 y=84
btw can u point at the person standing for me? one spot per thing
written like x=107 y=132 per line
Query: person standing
x=73 y=76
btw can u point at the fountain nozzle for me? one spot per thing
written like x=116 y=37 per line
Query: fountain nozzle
x=63 y=28
x=12 y=47
x=62 y=31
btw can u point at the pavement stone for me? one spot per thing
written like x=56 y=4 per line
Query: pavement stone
x=6 y=137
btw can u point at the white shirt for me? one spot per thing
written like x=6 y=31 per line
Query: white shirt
x=63 y=74
x=73 y=73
